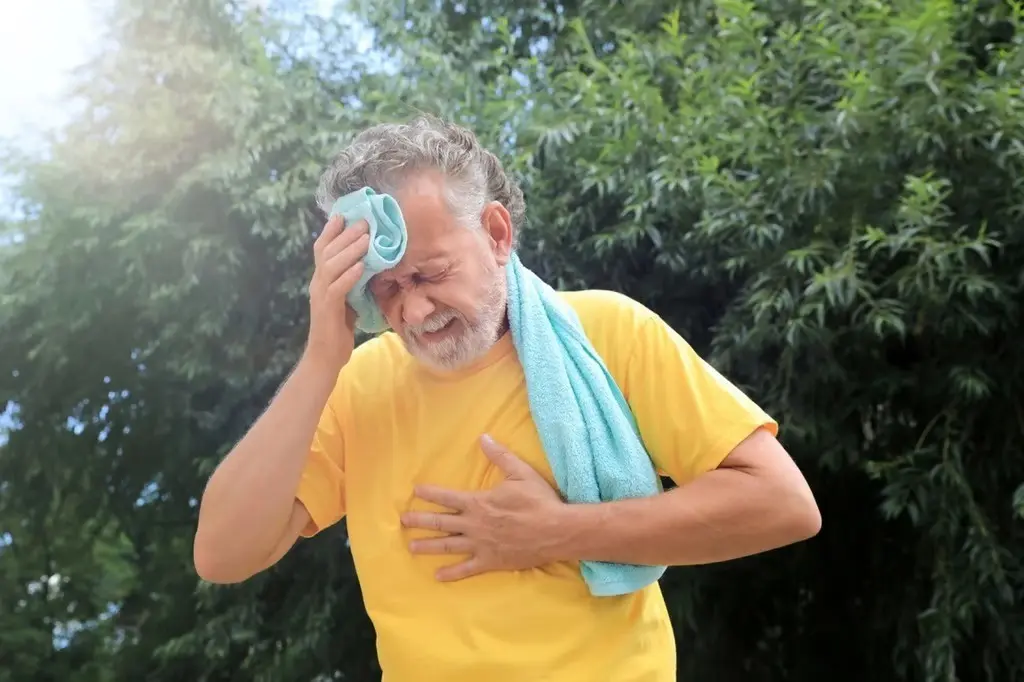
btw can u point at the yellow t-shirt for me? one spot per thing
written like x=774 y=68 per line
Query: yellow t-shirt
x=391 y=423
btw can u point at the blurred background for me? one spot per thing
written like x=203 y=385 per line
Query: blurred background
x=824 y=198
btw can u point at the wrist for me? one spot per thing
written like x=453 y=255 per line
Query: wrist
x=317 y=372
x=576 y=529
x=316 y=361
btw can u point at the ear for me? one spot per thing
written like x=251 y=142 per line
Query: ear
x=497 y=225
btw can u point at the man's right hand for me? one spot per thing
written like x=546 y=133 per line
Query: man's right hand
x=338 y=257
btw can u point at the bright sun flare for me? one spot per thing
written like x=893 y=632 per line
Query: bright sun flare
x=40 y=41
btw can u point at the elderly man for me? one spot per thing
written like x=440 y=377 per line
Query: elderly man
x=422 y=438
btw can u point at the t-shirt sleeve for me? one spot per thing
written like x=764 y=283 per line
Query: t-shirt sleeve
x=690 y=417
x=322 y=486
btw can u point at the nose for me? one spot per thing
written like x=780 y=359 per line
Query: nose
x=416 y=308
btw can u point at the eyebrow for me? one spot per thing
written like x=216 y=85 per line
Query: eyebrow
x=433 y=260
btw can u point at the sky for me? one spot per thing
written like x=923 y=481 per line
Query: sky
x=41 y=41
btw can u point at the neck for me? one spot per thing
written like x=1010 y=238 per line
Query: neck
x=504 y=325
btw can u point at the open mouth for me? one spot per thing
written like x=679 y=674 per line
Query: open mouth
x=442 y=331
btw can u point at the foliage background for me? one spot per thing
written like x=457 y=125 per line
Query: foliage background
x=824 y=198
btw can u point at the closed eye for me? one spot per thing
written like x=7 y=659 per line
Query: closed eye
x=382 y=287
x=431 y=278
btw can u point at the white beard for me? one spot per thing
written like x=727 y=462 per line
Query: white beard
x=453 y=352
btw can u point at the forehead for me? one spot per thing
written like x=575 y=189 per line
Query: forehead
x=433 y=233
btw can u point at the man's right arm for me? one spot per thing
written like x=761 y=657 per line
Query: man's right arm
x=249 y=516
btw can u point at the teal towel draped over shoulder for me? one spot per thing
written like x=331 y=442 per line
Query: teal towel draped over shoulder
x=585 y=424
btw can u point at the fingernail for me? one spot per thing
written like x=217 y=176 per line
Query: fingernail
x=486 y=438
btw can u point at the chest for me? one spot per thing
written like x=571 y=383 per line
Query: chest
x=430 y=434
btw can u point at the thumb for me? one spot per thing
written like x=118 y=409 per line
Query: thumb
x=505 y=460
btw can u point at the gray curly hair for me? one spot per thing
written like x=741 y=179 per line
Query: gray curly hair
x=381 y=156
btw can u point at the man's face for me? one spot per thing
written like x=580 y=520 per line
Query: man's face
x=446 y=298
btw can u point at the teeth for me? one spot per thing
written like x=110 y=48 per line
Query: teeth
x=434 y=325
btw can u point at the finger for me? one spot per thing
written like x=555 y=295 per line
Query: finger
x=461 y=571
x=505 y=460
x=443 y=523
x=335 y=266
x=340 y=287
x=450 y=544
x=453 y=499
x=350 y=235
x=332 y=228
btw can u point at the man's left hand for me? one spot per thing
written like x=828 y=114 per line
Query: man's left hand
x=509 y=527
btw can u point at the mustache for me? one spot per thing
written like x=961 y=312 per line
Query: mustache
x=435 y=322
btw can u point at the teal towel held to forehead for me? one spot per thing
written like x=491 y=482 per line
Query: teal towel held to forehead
x=585 y=424
x=387 y=246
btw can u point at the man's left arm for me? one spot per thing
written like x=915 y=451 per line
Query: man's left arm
x=754 y=501
x=739 y=492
